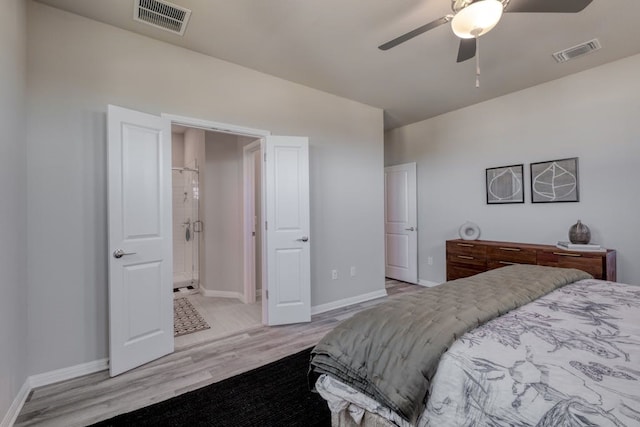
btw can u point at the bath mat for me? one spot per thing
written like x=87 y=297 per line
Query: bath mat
x=186 y=319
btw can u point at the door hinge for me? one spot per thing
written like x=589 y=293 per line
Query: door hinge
x=266 y=293
x=265 y=157
x=266 y=227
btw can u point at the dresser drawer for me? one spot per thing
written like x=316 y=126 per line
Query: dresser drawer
x=465 y=259
x=458 y=271
x=469 y=257
x=469 y=249
x=500 y=256
x=592 y=263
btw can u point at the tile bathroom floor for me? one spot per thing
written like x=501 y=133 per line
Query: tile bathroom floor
x=225 y=316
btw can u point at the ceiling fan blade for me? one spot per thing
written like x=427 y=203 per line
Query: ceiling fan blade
x=411 y=34
x=467 y=49
x=551 y=6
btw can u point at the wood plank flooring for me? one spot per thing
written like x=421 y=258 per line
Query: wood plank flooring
x=92 y=398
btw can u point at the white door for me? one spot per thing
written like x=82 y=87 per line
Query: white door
x=286 y=183
x=400 y=223
x=140 y=257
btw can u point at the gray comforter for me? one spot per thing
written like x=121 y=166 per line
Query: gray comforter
x=391 y=352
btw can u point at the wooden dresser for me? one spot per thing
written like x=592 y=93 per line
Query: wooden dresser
x=469 y=257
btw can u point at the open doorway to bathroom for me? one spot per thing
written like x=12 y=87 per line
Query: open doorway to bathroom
x=209 y=187
x=187 y=154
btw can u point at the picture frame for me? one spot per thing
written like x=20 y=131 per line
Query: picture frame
x=505 y=184
x=555 y=181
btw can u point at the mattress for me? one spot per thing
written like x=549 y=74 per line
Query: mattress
x=391 y=352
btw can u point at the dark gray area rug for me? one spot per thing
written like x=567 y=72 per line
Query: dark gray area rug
x=276 y=394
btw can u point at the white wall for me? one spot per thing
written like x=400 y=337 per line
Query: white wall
x=593 y=115
x=177 y=195
x=223 y=217
x=194 y=140
x=78 y=66
x=13 y=225
x=194 y=152
x=177 y=150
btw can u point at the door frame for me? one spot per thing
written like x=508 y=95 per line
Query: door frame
x=413 y=214
x=249 y=189
x=259 y=134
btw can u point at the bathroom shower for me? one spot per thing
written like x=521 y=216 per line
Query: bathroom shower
x=187 y=227
x=187 y=232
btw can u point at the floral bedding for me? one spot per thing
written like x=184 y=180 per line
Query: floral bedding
x=570 y=358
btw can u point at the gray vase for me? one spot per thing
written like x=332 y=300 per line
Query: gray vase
x=579 y=233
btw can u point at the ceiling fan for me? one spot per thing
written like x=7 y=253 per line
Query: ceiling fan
x=473 y=18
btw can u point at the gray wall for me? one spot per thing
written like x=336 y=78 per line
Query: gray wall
x=177 y=150
x=77 y=67
x=223 y=216
x=13 y=164
x=593 y=115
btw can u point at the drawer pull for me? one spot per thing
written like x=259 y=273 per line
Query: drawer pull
x=507 y=263
x=466 y=245
x=567 y=254
x=511 y=249
x=465 y=257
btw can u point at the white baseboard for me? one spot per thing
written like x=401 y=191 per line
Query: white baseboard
x=317 y=309
x=15 y=408
x=428 y=283
x=47 y=378
x=221 y=294
x=69 y=373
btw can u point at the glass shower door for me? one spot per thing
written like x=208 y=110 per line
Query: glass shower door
x=186 y=227
x=195 y=226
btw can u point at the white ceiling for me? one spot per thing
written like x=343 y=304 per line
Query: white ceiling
x=331 y=45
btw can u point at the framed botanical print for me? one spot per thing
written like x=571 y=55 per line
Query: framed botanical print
x=505 y=184
x=555 y=181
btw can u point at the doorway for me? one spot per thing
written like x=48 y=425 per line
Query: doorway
x=187 y=155
x=215 y=191
x=400 y=222
x=253 y=232
x=141 y=235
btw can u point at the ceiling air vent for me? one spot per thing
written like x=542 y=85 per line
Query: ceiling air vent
x=162 y=14
x=576 y=51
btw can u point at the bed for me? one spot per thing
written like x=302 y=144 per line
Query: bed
x=516 y=346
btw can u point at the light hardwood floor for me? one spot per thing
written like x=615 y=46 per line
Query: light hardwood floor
x=92 y=398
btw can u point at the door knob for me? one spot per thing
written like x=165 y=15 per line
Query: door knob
x=303 y=239
x=410 y=229
x=119 y=253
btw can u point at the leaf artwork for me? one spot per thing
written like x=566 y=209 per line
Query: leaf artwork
x=554 y=183
x=505 y=185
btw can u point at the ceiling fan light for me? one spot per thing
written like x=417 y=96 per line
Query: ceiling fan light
x=477 y=19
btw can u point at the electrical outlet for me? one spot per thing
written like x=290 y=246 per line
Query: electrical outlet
x=430 y=260
x=334 y=274
x=353 y=271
